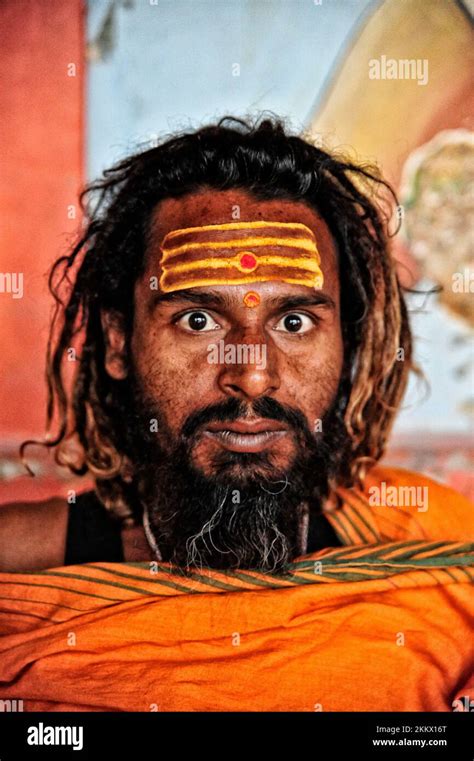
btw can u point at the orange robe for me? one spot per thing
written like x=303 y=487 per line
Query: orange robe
x=383 y=623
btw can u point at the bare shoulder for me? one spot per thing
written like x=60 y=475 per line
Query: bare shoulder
x=33 y=534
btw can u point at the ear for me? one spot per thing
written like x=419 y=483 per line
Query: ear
x=114 y=338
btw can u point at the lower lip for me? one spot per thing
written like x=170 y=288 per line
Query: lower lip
x=245 y=442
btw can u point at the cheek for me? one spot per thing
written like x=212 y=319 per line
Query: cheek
x=174 y=379
x=311 y=376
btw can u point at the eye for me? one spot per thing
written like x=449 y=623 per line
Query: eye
x=197 y=322
x=296 y=322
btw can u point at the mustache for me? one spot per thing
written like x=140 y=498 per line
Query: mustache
x=234 y=409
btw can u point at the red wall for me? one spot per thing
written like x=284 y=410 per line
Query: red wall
x=42 y=147
x=42 y=150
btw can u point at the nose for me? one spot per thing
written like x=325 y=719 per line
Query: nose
x=252 y=371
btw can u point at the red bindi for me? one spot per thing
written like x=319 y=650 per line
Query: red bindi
x=248 y=261
x=251 y=299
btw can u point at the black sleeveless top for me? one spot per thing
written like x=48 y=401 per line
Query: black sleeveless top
x=94 y=536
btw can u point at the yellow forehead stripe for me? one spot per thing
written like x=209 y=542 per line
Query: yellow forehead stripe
x=240 y=252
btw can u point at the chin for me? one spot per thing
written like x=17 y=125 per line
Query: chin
x=241 y=467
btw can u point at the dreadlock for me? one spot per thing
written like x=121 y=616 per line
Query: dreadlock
x=99 y=274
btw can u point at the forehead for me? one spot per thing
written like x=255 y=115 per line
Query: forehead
x=213 y=207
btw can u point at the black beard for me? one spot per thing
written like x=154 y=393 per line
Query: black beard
x=244 y=521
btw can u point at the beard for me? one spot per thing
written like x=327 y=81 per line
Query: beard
x=248 y=513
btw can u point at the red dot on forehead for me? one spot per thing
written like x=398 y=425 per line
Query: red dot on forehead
x=251 y=299
x=248 y=261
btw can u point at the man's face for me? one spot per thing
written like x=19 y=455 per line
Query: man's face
x=295 y=332
x=237 y=416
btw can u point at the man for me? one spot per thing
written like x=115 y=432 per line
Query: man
x=243 y=348
x=230 y=463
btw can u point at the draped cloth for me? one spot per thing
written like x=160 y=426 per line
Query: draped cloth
x=383 y=623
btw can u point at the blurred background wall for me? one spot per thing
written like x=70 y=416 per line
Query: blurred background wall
x=83 y=84
x=42 y=139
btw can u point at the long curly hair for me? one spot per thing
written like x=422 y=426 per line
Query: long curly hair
x=264 y=158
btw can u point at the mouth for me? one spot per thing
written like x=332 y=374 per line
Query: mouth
x=246 y=436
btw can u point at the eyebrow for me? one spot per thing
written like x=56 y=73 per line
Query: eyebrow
x=212 y=298
x=290 y=302
x=204 y=298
